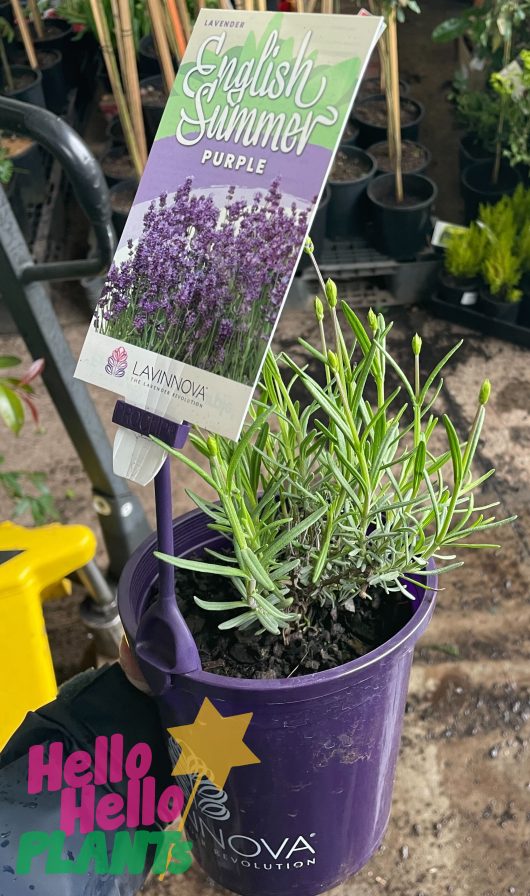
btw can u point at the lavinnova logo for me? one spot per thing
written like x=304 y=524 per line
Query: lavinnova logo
x=117 y=362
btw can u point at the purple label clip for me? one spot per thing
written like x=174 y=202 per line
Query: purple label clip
x=148 y=424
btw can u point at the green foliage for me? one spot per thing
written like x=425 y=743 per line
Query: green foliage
x=30 y=494
x=28 y=490
x=513 y=90
x=326 y=502
x=502 y=271
x=507 y=257
x=464 y=252
x=6 y=167
x=478 y=111
x=487 y=27
x=79 y=12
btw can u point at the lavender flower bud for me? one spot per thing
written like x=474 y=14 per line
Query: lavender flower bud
x=372 y=321
x=331 y=293
x=319 y=309
x=416 y=344
x=309 y=245
x=211 y=443
x=333 y=361
x=484 y=393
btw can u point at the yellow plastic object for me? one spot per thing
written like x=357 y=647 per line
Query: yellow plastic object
x=33 y=564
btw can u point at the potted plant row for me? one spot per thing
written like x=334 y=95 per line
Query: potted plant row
x=306 y=578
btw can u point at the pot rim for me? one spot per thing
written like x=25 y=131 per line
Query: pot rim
x=381 y=96
x=426 y=151
x=265 y=687
x=36 y=72
x=420 y=203
x=352 y=150
x=482 y=163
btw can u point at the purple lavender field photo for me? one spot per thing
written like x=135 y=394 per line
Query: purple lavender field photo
x=204 y=284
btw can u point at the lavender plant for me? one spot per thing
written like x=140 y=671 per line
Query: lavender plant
x=325 y=505
x=205 y=284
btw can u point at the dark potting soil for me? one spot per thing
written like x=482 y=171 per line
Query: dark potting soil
x=122 y=199
x=19 y=82
x=329 y=642
x=14 y=145
x=388 y=198
x=120 y=167
x=45 y=58
x=375 y=112
x=413 y=156
x=153 y=96
x=349 y=131
x=347 y=168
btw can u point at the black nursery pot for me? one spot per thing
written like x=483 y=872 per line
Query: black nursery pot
x=29 y=93
x=451 y=289
x=401 y=230
x=492 y=307
x=113 y=174
x=6 y=12
x=370 y=108
x=469 y=152
x=318 y=230
x=115 y=133
x=372 y=87
x=58 y=34
x=477 y=186
x=53 y=84
x=30 y=176
x=148 y=63
x=121 y=197
x=419 y=157
x=154 y=100
x=346 y=212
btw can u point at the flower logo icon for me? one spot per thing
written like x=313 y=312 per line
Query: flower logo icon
x=117 y=362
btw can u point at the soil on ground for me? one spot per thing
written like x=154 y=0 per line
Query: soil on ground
x=349 y=168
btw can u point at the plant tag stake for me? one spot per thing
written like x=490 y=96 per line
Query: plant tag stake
x=218 y=224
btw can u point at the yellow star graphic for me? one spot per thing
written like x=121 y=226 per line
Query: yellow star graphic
x=213 y=744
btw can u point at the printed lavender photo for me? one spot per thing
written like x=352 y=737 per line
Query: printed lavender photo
x=204 y=284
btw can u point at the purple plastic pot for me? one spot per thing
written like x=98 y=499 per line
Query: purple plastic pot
x=315 y=809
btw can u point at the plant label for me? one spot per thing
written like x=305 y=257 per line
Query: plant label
x=218 y=224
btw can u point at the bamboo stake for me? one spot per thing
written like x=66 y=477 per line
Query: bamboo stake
x=119 y=41
x=396 y=109
x=162 y=46
x=6 y=67
x=36 y=18
x=300 y=6
x=131 y=77
x=184 y=18
x=26 y=36
x=327 y=7
x=179 y=32
x=311 y=5
x=249 y=5
x=262 y=5
x=102 y=29
x=169 y=33
x=200 y=4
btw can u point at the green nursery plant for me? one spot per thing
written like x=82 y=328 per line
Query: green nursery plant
x=28 y=491
x=502 y=271
x=6 y=34
x=464 y=252
x=513 y=90
x=327 y=503
x=478 y=112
